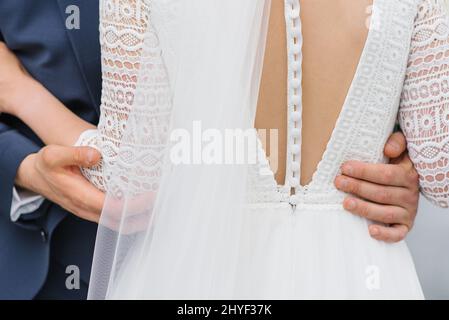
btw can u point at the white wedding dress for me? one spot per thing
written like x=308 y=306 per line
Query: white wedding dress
x=299 y=244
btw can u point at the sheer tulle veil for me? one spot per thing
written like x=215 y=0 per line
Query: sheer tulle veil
x=172 y=220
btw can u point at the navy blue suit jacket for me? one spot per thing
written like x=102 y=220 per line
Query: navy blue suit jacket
x=67 y=63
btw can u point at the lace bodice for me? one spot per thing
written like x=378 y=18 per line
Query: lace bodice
x=368 y=115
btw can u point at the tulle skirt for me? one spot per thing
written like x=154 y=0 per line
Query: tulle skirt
x=319 y=252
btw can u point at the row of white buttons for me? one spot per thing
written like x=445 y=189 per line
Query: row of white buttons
x=294 y=33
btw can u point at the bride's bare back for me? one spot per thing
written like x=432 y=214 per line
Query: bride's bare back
x=334 y=35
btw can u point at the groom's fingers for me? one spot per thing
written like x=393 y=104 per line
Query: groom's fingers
x=384 y=174
x=395 y=233
x=88 y=198
x=59 y=156
x=375 y=193
x=74 y=193
x=378 y=213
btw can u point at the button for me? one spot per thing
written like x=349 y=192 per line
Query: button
x=295 y=166
x=294 y=65
x=294 y=200
x=295 y=83
x=296 y=133
x=296 y=32
x=295 y=100
x=296 y=49
x=296 y=116
x=294 y=13
x=294 y=182
x=44 y=235
x=296 y=149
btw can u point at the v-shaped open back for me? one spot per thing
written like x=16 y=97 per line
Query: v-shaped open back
x=294 y=101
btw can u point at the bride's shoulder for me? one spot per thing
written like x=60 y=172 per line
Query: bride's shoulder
x=431 y=8
x=432 y=21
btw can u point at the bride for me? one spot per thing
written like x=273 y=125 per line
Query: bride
x=331 y=76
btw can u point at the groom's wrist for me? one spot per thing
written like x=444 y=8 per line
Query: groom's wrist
x=26 y=92
x=26 y=174
x=13 y=97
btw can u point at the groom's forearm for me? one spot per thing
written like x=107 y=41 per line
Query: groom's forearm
x=47 y=116
x=25 y=98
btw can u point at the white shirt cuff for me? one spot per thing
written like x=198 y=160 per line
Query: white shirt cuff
x=23 y=202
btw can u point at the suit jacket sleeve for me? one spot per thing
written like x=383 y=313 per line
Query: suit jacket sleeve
x=14 y=148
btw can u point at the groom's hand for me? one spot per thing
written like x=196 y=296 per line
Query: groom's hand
x=54 y=173
x=389 y=192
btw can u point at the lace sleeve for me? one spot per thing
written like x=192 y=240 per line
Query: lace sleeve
x=122 y=30
x=424 y=108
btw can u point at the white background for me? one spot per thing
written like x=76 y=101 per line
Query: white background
x=429 y=244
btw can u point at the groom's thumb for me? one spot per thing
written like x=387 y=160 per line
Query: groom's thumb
x=59 y=156
x=396 y=145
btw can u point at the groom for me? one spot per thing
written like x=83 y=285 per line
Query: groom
x=45 y=250
x=46 y=246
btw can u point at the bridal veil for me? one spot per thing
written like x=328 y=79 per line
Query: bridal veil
x=171 y=224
